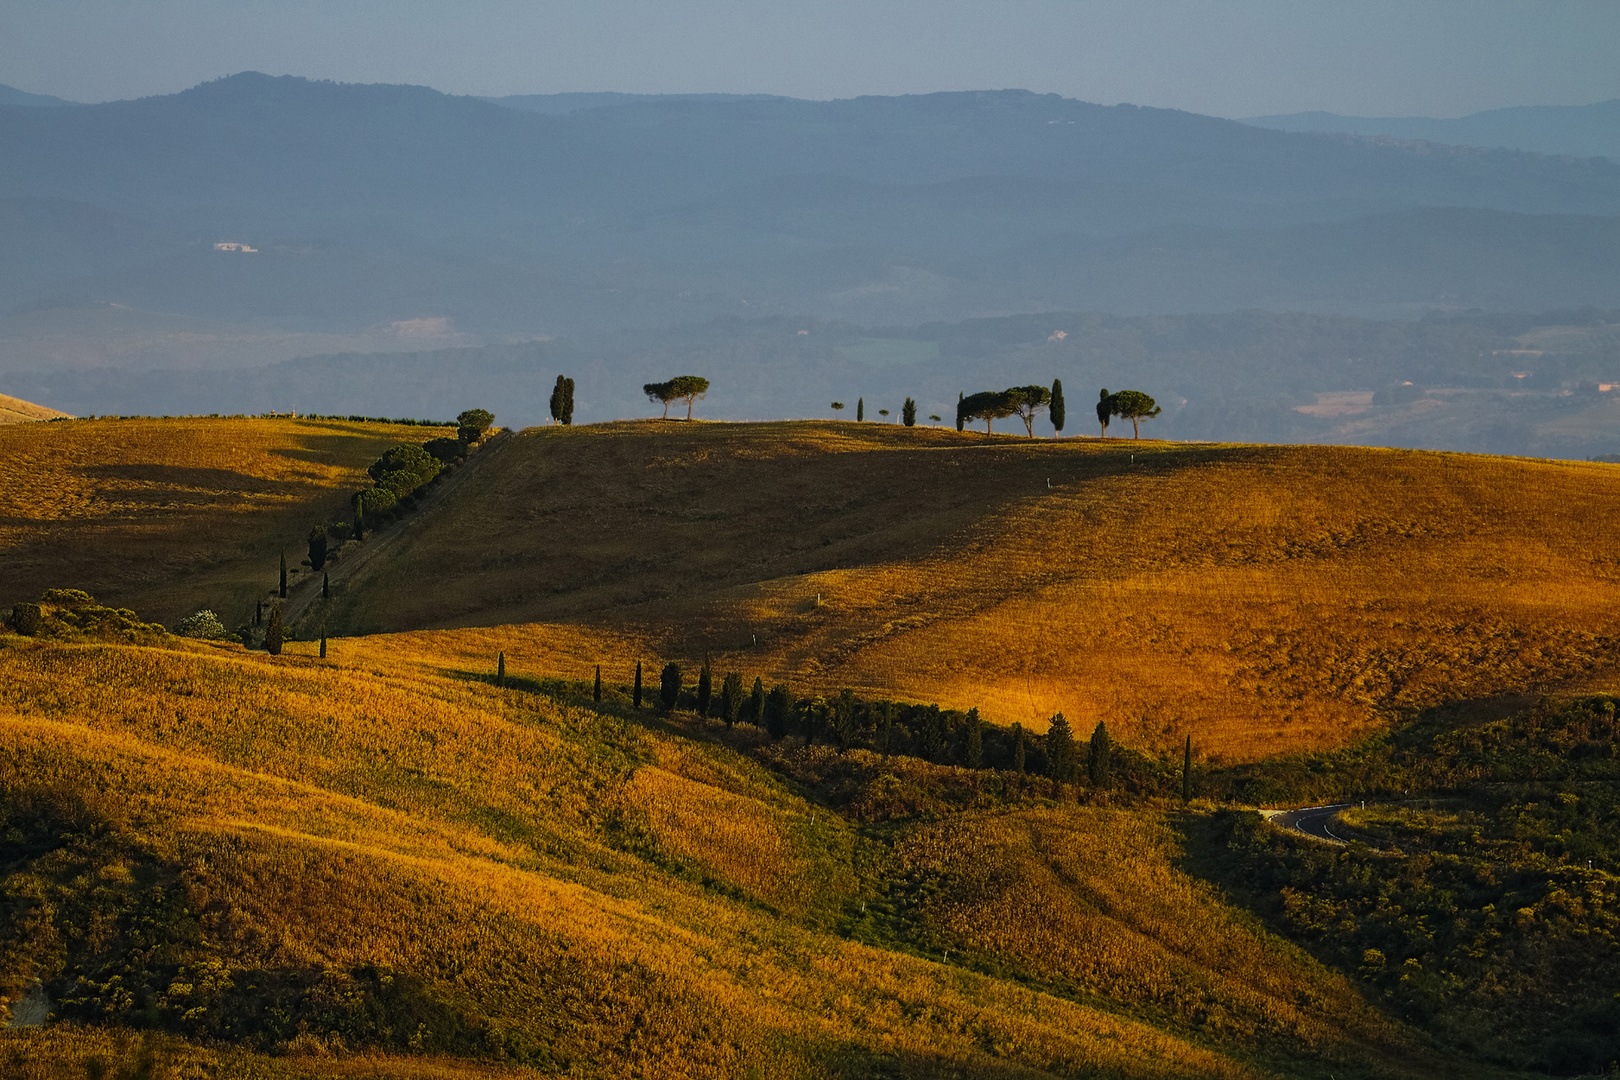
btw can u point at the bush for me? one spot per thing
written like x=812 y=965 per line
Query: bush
x=27 y=619
x=446 y=450
x=376 y=502
x=404 y=468
x=473 y=424
x=202 y=624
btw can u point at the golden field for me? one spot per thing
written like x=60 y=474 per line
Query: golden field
x=591 y=892
x=171 y=515
x=1261 y=599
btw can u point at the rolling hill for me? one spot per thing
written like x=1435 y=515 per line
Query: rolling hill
x=172 y=515
x=1262 y=600
x=1575 y=130
x=374 y=855
x=17 y=411
x=388 y=860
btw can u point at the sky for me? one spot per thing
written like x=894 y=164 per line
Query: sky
x=1230 y=58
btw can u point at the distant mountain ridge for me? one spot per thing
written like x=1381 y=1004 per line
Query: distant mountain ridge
x=373 y=204
x=1576 y=130
x=563 y=104
x=10 y=95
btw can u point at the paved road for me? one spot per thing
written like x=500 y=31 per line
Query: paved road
x=1314 y=821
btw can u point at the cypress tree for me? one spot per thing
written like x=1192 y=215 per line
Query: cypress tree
x=636 y=699
x=860 y=408
x=283 y=592
x=568 y=403
x=973 y=741
x=908 y=413
x=596 y=691
x=317 y=547
x=1060 y=755
x=960 y=419
x=1054 y=411
x=705 y=689
x=1186 y=772
x=1105 y=409
x=359 y=522
x=557 y=406
x=669 y=685
x=500 y=669
x=323 y=643
x=326 y=586
x=756 y=703
x=258 y=614
x=731 y=697
x=777 y=707
x=1018 y=748
x=1097 y=759
x=273 y=635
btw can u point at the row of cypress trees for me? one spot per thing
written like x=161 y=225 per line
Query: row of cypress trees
x=946 y=737
x=927 y=732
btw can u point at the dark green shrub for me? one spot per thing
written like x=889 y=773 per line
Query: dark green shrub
x=472 y=424
x=446 y=450
x=27 y=619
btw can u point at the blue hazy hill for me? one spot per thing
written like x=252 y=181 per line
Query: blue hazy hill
x=1575 y=130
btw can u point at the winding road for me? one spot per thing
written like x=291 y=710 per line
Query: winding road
x=1313 y=821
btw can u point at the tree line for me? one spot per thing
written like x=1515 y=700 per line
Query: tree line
x=846 y=721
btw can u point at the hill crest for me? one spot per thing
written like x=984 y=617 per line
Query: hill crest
x=17 y=411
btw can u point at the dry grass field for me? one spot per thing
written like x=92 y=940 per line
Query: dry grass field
x=170 y=515
x=17 y=411
x=1261 y=599
x=584 y=892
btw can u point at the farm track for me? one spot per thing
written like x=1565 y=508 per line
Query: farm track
x=304 y=597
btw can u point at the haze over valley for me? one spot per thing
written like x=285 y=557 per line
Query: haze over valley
x=260 y=243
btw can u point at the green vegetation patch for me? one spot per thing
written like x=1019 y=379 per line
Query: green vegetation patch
x=1489 y=916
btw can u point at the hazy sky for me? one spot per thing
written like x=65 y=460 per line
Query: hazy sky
x=1226 y=57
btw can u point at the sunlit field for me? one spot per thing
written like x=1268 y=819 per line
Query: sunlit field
x=1260 y=599
x=579 y=889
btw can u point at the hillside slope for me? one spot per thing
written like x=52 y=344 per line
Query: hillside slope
x=378 y=854
x=171 y=515
x=17 y=411
x=1261 y=599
